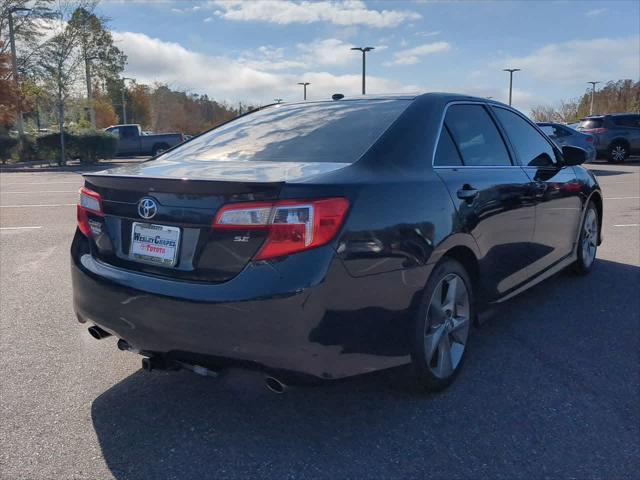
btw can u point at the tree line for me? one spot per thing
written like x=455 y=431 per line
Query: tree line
x=615 y=97
x=70 y=76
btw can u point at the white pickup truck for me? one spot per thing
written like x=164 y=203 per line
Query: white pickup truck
x=133 y=142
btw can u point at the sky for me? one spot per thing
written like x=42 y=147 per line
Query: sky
x=257 y=50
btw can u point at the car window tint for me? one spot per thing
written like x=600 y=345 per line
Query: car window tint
x=340 y=131
x=531 y=147
x=446 y=152
x=114 y=131
x=626 y=120
x=476 y=136
x=128 y=132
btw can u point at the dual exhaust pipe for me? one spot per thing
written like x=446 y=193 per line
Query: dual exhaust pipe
x=273 y=384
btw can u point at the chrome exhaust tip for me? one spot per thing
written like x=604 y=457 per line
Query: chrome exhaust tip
x=98 y=333
x=274 y=385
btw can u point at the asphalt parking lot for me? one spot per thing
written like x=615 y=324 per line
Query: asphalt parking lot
x=551 y=387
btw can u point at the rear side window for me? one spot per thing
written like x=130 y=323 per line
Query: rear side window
x=627 y=120
x=476 y=136
x=531 y=147
x=338 y=131
x=589 y=123
x=447 y=154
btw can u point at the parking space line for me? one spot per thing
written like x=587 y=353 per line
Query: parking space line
x=628 y=225
x=621 y=198
x=33 y=183
x=46 y=205
x=20 y=228
x=43 y=191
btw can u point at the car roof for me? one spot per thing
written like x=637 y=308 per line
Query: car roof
x=431 y=96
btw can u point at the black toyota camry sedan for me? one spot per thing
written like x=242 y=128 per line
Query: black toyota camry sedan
x=321 y=240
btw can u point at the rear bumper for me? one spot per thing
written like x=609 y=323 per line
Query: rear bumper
x=304 y=314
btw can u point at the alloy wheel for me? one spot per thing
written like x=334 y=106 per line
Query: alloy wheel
x=619 y=153
x=447 y=326
x=589 y=238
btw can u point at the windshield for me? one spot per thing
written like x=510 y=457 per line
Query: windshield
x=322 y=132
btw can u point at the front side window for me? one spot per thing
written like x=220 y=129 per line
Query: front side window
x=476 y=136
x=531 y=148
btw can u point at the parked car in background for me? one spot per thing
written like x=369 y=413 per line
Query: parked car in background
x=133 y=142
x=616 y=136
x=327 y=239
x=563 y=135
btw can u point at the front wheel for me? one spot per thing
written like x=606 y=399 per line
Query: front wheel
x=588 y=241
x=442 y=326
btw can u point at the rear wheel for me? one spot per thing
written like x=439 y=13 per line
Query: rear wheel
x=158 y=149
x=588 y=242
x=618 y=152
x=442 y=326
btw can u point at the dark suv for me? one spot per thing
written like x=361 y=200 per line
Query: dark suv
x=617 y=135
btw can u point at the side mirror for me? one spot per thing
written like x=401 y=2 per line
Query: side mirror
x=573 y=155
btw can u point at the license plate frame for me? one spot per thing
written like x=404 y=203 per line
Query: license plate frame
x=145 y=251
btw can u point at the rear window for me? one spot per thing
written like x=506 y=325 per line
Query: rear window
x=321 y=132
x=590 y=123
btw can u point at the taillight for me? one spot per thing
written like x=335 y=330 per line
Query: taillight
x=589 y=139
x=292 y=225
x=594 y=130
x=90 y=203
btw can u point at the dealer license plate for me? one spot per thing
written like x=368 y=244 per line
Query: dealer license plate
x=155 y=244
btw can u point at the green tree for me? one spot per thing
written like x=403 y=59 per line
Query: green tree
x=101 y=58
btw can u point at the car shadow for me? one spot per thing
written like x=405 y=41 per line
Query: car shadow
x=551 y=379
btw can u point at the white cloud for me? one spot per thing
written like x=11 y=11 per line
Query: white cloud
x=412 y=56
x=595 y=12
x=346 y=12
x=257 y=77
x=428 y=34
x=578 y=61
x=330 y=51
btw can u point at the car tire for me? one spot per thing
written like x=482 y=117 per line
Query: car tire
x=442 y=325
x=158 y=149
x=588 y=241
x=618 y=152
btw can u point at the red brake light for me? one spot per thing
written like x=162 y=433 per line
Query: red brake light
x=292 y=225
x=594 y=130
x=90 y=202
x=589 y=139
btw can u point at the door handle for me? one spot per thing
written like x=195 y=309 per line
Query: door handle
x=468 y=193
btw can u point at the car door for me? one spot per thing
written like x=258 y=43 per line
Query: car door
x=631 y=125
x=554 y=187
x=129 y=143
x=490 y=194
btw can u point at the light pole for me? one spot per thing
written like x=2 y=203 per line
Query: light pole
x=14 y=64
x=364 y=51
x=510 y=70
x=593 y=94
x=304 y=85
x=124 y=105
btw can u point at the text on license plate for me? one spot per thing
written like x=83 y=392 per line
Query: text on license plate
x=156 y=244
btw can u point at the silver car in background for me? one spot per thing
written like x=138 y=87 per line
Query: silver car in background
x=564 y=135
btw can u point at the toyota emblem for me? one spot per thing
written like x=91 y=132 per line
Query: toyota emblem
x=147 y=208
